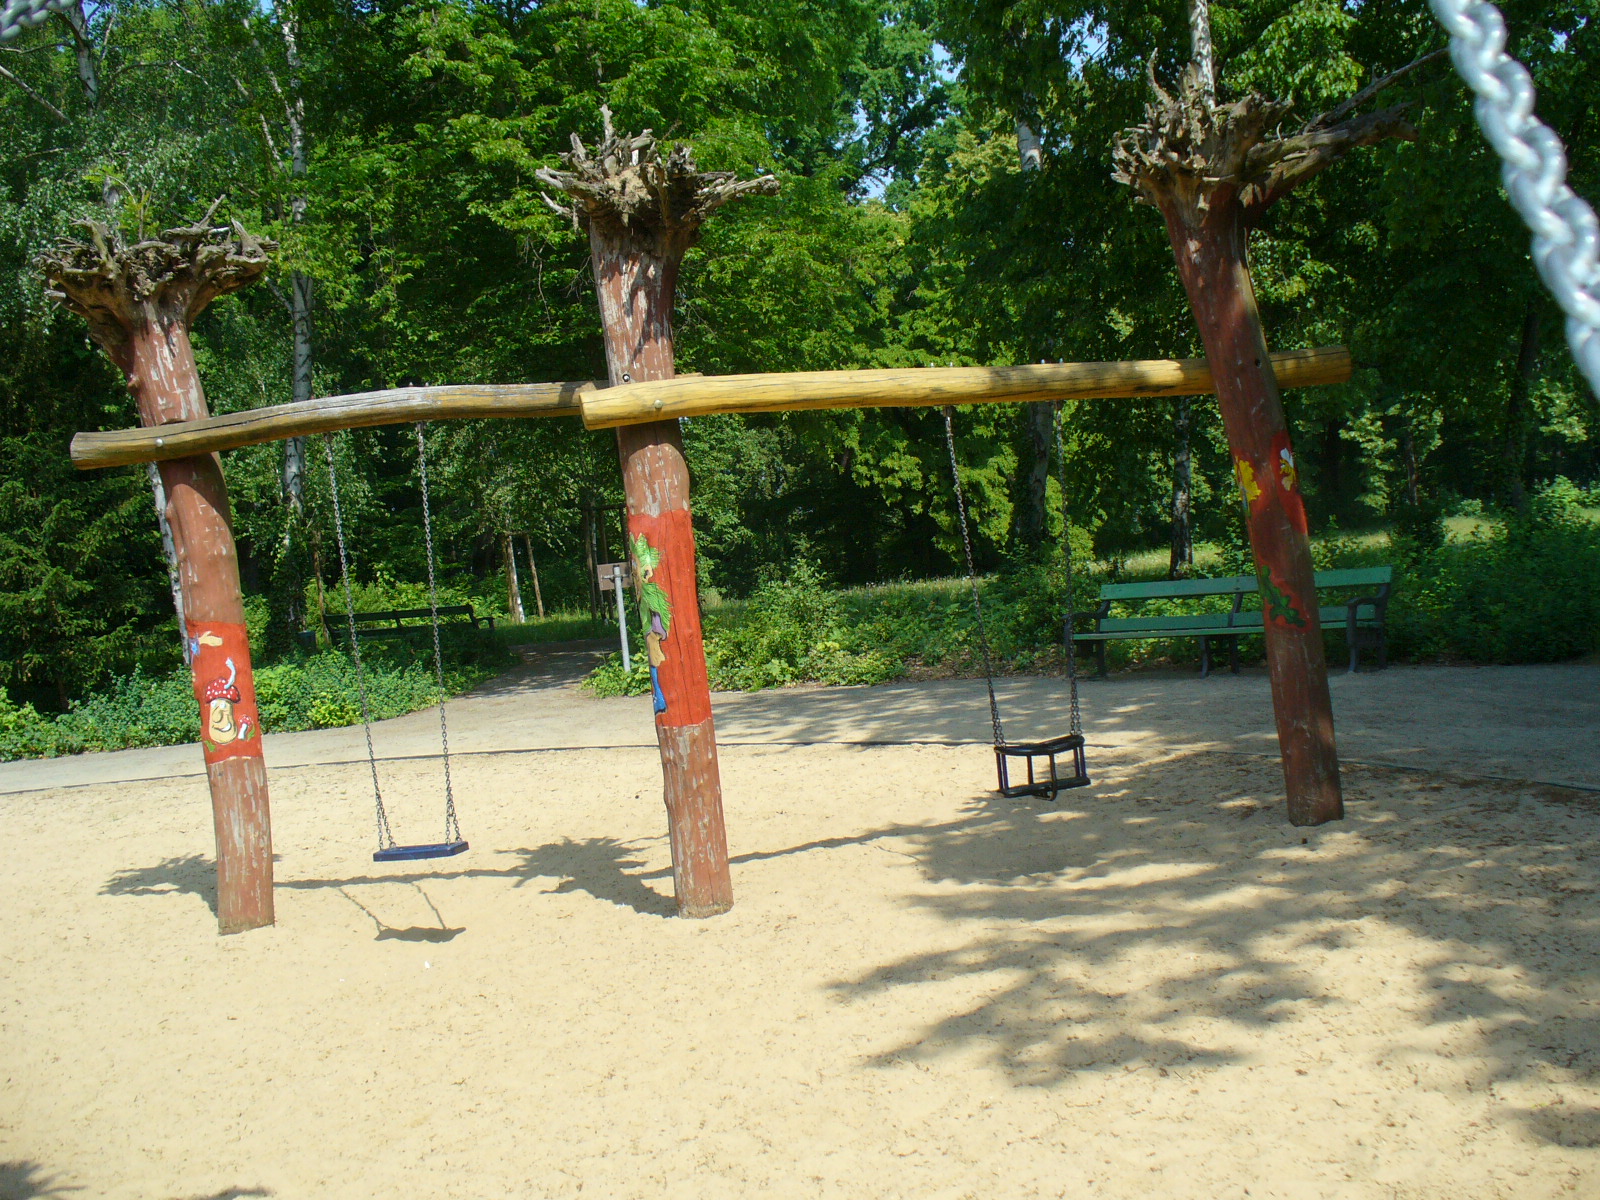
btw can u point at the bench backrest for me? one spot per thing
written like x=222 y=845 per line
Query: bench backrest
x=1166 y=589
x=1173 y=589
x=417 y=614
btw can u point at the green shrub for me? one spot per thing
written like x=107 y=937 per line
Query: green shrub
x=318 y=692
x=26 y=734
x=609 y=679
x=792 y=631
x=136 y=710
x=1526 y=590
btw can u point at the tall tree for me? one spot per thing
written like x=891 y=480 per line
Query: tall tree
x=1213 y=170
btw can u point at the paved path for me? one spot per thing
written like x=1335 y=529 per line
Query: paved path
x=1525 y=723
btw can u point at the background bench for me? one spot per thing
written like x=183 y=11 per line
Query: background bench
x=392 y=623
x=1361 y=617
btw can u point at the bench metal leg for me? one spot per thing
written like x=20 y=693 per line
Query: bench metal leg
x=1100 y=659
x=1205 y=657
x=1233 y=655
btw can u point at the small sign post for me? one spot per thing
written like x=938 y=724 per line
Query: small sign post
x=614 y=577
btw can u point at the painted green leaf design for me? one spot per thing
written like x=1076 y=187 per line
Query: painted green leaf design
x=1278 y=603
x=645 y=555
x=653 y=600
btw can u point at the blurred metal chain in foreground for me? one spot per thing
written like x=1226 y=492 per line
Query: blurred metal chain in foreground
x=17 y=15
x=1566 y=237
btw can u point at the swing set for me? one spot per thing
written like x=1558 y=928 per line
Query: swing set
x=665 y=196
x=452 y=843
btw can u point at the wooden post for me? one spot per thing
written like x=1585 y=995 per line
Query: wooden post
x=644 y=212
x=1212 y=264
x=140 y=302
x=1213 y=170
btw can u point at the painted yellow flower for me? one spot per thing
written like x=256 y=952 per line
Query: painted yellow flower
x=1247 y=480
x=1288 y=475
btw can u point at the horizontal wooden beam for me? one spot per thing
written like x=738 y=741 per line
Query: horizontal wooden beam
x=688 y=396
x=663 y=399
x=254 y=426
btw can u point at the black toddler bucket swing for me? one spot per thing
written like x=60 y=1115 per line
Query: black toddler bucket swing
x=1050 y=766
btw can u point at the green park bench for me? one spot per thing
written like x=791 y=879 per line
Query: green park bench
x=392 y=623
x=1361 y=617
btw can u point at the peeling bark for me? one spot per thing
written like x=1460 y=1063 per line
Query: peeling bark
x=140 y=301
x=1212 y=170
x=644 y=211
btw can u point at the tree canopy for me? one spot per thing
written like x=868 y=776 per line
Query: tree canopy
x=391 y=148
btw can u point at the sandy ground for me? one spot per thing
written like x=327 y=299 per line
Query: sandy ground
x=1155 y=988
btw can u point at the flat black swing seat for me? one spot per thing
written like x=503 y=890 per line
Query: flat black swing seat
x=406 y=853
x=1049 y=776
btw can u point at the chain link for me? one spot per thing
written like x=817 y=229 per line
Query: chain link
x=1076 y=721
x=1566 y=236
x=452 y=828
x=17 y=15
x=972 y=577
x=385 y=838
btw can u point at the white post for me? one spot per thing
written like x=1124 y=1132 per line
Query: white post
x=622 y=615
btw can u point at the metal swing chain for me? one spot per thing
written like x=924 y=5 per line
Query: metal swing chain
x=1076 y=720
x=972 y=578
x=452 y=829
x=17 y=15
x=385 y=837
x=1566 y=235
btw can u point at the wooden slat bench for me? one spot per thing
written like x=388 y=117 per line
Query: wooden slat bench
x=392 y=623
x=1361 y=617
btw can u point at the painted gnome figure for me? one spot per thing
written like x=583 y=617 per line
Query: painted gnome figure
x=1213 y=170
x=140 y=301
x=644 y=210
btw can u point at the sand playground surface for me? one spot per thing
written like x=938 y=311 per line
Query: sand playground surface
x=1155 y=987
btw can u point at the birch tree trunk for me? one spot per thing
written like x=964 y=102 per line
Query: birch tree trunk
x=513 y=586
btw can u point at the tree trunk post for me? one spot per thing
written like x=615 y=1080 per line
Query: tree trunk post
x=644 y=211
x=1213 y=170
x=1212 y=264
x=144 y=328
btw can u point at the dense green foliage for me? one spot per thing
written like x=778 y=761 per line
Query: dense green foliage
x=390 y=146
x=1526 y=589
x=318 y=692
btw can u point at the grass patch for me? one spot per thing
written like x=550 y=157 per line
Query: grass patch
x=557 y=627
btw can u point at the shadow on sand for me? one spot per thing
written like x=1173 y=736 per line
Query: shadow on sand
x=1241 y=911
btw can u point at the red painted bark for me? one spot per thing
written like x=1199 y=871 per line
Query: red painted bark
x=159 y=363
x=644 y=211
x=1211 y=261
x=139 y=302
x=1213 y=169
x=636 y=285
